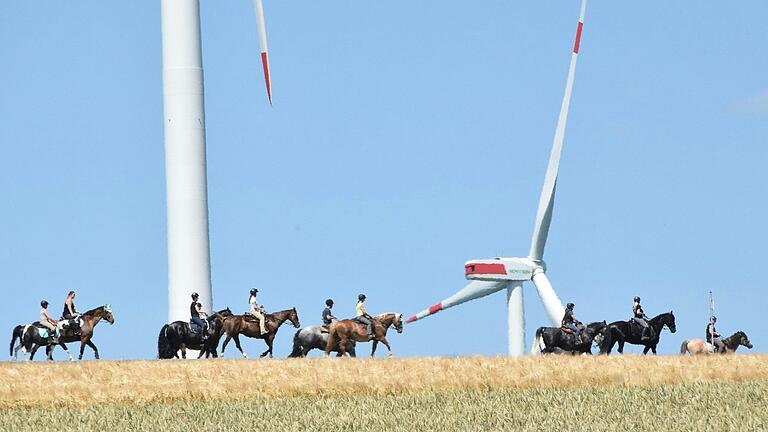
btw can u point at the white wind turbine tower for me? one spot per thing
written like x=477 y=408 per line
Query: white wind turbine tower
x=189 y=267
x=491 y=275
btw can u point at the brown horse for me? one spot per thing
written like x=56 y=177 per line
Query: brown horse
x=700 y=346
x=343 y=330
x=89 y=320
x=236 y=325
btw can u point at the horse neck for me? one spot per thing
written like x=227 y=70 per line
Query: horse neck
x=281 y=316
x=387 y=320
x=658 y=322
x=92 y=320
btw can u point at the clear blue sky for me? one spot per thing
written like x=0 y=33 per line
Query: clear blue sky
x=405 y=139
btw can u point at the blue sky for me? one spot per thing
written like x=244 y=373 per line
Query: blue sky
x=405 y=139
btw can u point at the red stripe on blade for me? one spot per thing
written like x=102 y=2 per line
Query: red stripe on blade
x=473 y=269
x=265 y=63
x=411 y=319
x=578 y=38
x=435 y=309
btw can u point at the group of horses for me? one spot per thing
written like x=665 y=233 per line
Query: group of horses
x=555 y=340
x=31 y=338
x=340 y=337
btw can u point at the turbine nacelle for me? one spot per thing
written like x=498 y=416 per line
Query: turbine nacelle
x=501 y=269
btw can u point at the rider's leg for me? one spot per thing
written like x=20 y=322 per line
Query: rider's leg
x=575 y=330
x=262 y=320
x=51 y=331
x=719 y=345
x=201 y=323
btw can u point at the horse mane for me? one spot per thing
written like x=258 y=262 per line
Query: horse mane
x=93 y=311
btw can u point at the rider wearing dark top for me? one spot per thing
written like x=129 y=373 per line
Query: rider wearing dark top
x=570 y=321
x=194 y=309
x=713 y=336
x=71 y=313
x=640 y=318
x=327 y=314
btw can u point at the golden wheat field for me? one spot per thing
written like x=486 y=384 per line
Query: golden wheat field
x=475 y=393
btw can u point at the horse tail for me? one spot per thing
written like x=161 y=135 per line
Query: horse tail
x=537 y=341
x=684 y=347
x=297 y=346
x=164 y=347
x=16 y=334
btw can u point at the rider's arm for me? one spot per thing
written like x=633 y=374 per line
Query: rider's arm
x=49 y=318
x=199 y=309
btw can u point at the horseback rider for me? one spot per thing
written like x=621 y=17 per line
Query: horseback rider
x=713 y=336
x=198 y=315
x=640 y=319
x=327 y=315
x=46 y=320
x=70 y=313
x=570 y=322
x=257 y=310
x=362 y=316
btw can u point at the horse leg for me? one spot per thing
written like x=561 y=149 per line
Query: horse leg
x=82 y=349
x=653 y=348
x=226 y=341
x=373 y=347
x=342 y=344
x=66 y=350
x=646 y=349
x=237 y=344
x=183 y=348
x=621 y=346
x=268 y=340
x=93 y=347
x=386 y=344
x=49 y=352
x=33 y=351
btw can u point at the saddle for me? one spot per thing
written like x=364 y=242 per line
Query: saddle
x=325 y=328
x=194 y=328
x=252 y=318
x=566 y=330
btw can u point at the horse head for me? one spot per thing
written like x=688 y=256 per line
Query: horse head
x=665 y=319
x=398 y=323
x=293 y=317
x=742 y=339
x=107 y=314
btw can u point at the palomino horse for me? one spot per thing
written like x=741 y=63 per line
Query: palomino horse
x=236 y=325
x=700 y=346
x=342 y=331
x=88 y=320
x=554 y=340
x=626 y=332
x=178 y=336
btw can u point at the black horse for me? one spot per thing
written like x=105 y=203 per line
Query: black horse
x=179 y=336
x=622 y=332
x=555 y=340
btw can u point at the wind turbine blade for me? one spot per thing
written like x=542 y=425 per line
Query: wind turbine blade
x=552 y=304
x=474 y=290
x=547 y=199
x=258 y=7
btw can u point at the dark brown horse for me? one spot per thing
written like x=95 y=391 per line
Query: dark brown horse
x=237 y=325
x=344 y=330
x=89 y=320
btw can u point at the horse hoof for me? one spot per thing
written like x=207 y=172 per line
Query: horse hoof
x=245 y=356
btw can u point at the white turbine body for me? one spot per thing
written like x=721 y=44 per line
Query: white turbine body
x=189 y=267
x=492 y=275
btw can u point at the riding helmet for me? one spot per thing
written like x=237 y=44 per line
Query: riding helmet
x=254 y=291
x=361 y=297
x=569 y=306
x=637 y=299
x=329 y=302
x=44 y=303
x=714 y=318
x=195 y=295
